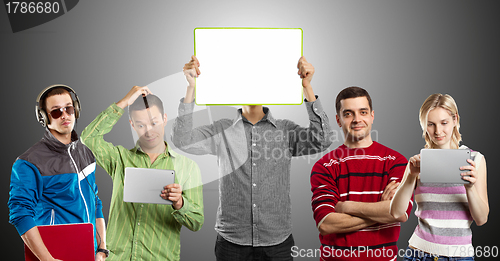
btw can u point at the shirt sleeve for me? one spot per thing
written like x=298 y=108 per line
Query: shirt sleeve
x=93 y=137
x=26 y=187
x=198 y=141
x=315 y=138
x=396 y=173
x=325 y=192
x=191 y=213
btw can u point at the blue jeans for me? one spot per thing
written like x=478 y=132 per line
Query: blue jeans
x=227 y=251
x=418 y=255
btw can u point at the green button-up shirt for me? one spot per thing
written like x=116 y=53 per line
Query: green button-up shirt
x=144 y=231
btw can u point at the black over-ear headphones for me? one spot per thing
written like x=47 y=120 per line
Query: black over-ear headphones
x=41 y=114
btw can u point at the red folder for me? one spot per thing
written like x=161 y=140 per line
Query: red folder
x=69 y=242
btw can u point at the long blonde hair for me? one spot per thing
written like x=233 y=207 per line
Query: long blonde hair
x=448 y=103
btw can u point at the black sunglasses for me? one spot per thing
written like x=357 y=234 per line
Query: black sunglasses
x=56 y=113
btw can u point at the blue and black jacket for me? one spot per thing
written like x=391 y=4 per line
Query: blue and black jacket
x=54 y=183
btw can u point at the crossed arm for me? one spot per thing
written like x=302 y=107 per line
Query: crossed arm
x=335 y=216
x=352 y=216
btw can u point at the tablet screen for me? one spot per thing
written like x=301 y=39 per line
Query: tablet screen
x=142 y=185
x=443 y=165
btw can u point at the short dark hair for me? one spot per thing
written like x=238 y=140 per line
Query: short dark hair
x=138 y=104
x=52 y=92
x=352 y=92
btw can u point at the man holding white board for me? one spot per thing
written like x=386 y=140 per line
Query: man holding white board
x=138 y=231
x=254 y=152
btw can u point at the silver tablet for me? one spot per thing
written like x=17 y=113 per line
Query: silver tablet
x=142 y=185
x=443 y=165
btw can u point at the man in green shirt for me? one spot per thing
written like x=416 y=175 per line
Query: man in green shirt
x=145 y=231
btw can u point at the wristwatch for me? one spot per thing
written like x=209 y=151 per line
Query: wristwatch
x=105 y=251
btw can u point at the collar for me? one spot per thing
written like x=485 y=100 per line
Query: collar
x=55 y=144
x=374 y=143
x=267 y=117
x=168 y=151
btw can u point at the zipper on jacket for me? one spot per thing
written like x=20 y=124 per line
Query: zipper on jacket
x=52 y=217
x=78 y=178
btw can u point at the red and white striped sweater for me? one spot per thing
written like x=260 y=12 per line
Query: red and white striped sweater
x=357 y=175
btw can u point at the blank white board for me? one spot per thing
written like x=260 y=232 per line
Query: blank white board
x=248 y=66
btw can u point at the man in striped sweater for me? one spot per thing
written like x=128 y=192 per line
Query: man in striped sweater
x=352 y=187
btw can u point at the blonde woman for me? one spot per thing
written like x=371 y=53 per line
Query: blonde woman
x=445 y=211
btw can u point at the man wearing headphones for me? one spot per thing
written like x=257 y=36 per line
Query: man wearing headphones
x=53 y=182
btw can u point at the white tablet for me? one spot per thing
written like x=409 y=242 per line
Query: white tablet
x=443 y=165
x=142 y=185
x=248 y=66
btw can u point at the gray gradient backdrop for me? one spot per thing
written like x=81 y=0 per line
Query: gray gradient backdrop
x=400 y=51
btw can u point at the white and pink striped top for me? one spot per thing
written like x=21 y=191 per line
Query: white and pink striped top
x=444 y=218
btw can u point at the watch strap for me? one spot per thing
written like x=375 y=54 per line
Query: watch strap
x=105 y=251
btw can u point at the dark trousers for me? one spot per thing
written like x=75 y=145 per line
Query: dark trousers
x=227 y=251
